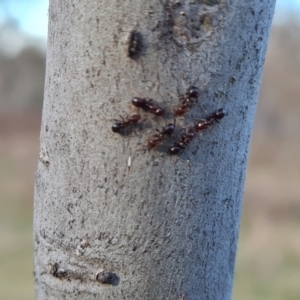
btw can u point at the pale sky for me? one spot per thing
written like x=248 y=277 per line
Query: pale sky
x=31 y=16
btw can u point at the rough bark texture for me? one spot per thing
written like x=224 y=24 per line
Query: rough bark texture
x=167 y=228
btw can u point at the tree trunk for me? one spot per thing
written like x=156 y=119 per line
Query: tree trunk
x=166 y=226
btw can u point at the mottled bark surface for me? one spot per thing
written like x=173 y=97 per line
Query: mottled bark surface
x=167 y=228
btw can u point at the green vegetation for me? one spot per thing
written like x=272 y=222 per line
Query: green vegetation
x=16 y=243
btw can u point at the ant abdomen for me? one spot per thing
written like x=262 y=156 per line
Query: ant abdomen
x=148 y=105
x=192 y=92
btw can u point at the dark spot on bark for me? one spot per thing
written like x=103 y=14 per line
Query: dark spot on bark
x=210 y=2
x=135 y=44
x=177 y=3
x=232 y=80
x=47 y=128
x=60 y=235
x=56 y=271
x=44 y=158
x=108 y=278
x=205 y=21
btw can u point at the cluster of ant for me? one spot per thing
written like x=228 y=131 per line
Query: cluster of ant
x=148 y=105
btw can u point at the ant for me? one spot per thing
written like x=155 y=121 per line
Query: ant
x=215 y=117
x=158 y=137
x=191 y=93
x=210 y=120
x=124 y=122
x=183 y=142
x=147 y=105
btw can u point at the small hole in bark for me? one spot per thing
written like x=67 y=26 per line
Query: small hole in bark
x=108 y=278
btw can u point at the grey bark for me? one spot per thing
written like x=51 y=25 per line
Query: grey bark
x=167 y=227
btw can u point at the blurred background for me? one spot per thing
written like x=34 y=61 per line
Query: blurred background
x=268 y=257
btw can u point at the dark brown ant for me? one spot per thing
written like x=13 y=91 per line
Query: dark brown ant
x=199 y=126
x=183 y=142
x=158 y=137
x=210 y=120
x=125 y=122
x=147 y=105
x=191 y=94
